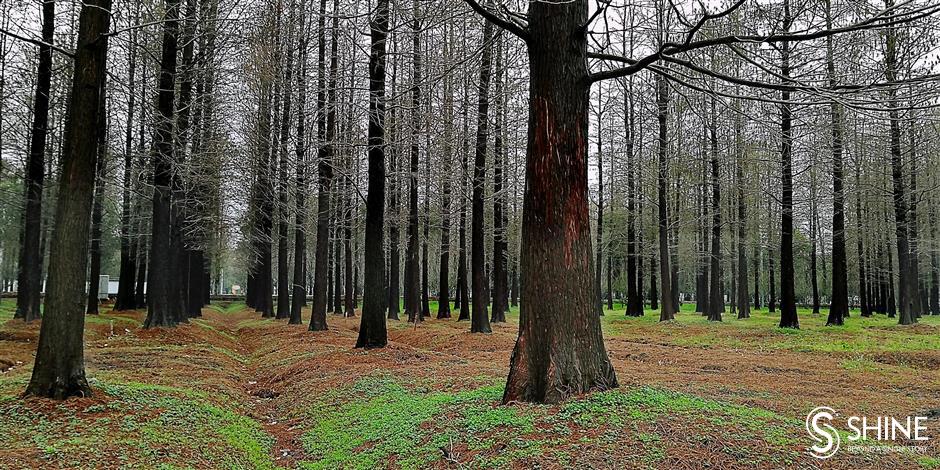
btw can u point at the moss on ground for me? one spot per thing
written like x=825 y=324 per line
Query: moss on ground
x=133 y=424
x=379 y=420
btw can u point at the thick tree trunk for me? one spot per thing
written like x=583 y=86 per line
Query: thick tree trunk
x=479 y=321
x=372 y=328
x=907 y=286
x=30 y=282
x=560 y=351
x=59 y=370
x=839 y=304
x=788 y=316
x=161 y=300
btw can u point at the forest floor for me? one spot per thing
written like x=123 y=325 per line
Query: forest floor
x=232 y=390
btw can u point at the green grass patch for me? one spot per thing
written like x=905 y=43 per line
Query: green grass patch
x=138 y=423
x=380 y=419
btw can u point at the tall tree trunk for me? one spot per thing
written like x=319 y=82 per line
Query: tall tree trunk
x=743 y=298
x=839 y=304
x=788 y=316
x=934 y=266
x=299 y=288
x=479 y=321
x=668 y=309
x=59 y=370
x=634 y=256
x=96 y=211
x=394 y=230
x=864 y=288
x=907 y=287
x=30 y=283
x=500 y=282
x=463 y=288
x=918 y=306
x=412 y=282
x=161 y=299
x=443 y=294
x=599 y=249
x=349 y=305
x=126 y=278
x=560 y=351
x=372 y=328
x=426 y=224
x=716 y=304
x=326 y=131
x=283 y=277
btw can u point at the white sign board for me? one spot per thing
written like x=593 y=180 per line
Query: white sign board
x=103 y=286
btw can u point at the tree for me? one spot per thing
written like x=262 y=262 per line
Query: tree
x=788 y=316
x=839 y=305
x=443 y=291
x=161 y=305
x=716 y=304
x=668 y=309
x=299 y=293
x=283 y=278
x=326 y=125
x=500 y=279
x=59 y=371
x=127 y=276
x=100 y=169
x=479 y=320
x=907 y=285
x=372 y=328
x=412 y=281
x=30 y=270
